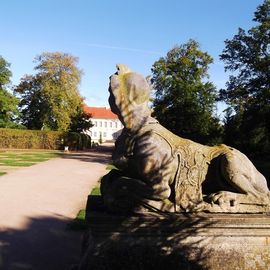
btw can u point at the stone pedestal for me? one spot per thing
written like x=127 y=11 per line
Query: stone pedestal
x=175 y=241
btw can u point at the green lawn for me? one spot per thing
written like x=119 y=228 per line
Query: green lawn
x=25 y=158
x=111 y=167
x=79 y=223
x=95 y=191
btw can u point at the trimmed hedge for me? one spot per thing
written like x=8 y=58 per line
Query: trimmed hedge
x=77 y=141
x=39 y=139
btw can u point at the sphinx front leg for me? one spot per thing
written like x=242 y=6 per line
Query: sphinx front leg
x=123 y=194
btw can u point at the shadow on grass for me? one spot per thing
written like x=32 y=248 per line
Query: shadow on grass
x=45 y=244
x=79 y=223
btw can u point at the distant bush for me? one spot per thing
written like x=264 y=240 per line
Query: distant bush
x=39 y=139
x=77 y=141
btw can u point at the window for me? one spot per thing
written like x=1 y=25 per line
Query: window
x=104 y=134
x=100 y=123
x=105 y=124
x=111 y=124
x=115 y=124
x=95 y=124
x=95 y=134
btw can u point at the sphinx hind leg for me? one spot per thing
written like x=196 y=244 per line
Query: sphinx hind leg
x=241 y=174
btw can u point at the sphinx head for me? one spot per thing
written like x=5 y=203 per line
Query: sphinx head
x=129 y=96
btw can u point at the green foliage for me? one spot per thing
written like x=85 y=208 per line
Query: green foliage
x=8 y=103
x=77 y=141
x=5 y=72
x=50 y=99
x=30 y=139
x=232 y=133
x=2 y=173
x=81 y=121
x=184 y=101
x=247 y=56
x=41 y=139
x=263 y=165
x=33 y=105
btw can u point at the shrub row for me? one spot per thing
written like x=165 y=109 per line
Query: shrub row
x=77 y=141
x=39 y=139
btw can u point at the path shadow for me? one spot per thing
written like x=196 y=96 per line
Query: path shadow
x=45 y=244
x=100 y=154
x=105 y=148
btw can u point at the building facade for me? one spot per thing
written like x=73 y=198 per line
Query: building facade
x=107 y=126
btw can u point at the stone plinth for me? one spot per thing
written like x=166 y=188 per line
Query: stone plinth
x=176 y=241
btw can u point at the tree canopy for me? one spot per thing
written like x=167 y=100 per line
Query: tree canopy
x=247 y=56
x=80 y=122
x=184 y=100
x=51 y=99
x=8 y=103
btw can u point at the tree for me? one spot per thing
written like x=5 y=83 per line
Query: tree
x=33 y=105
x=80 y=122
x=8 y=103
x=247 y=56
x=50 y=99
x=184 y=101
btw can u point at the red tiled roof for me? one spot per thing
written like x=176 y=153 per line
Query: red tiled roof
x=100 y=112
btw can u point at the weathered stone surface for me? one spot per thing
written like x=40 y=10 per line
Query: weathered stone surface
x=176 y=241
x=161 y=171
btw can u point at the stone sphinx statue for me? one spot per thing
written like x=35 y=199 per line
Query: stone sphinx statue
x=158 y=170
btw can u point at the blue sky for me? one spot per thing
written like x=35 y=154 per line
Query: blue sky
x=103 y=33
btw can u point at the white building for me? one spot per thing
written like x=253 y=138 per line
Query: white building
x=107 y=126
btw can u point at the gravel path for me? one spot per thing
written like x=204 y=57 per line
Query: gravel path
x=37 y=202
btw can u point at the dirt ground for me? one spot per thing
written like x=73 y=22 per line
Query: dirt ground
x=37 y=203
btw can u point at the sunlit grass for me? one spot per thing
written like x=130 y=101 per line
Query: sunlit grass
x=79 y=223
x=111 y=167
x=95 y=191
x=24 y=159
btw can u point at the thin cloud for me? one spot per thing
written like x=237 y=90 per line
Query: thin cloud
x=121 y=48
